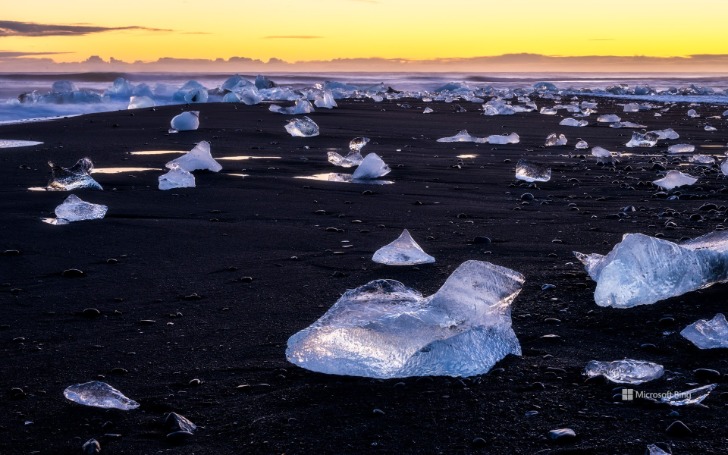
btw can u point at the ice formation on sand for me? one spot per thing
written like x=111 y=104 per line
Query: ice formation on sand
x=674 y=179
x=553 y=140
x=625 y=371
x=708 y=334
x=497 y=139
x=710 y=128
x=692 y=396
x=12 y=143
x=358 y=143
x=724 y=167
x=73 y=178
x=186 y=121
x=648 y=139
x=139 y=102
x=301 y=107
x=531 y=172
x=325 y=100
x=354 y=158
x=462 y=136
x=384 y=329
x=608 y=118
x=681 y=148
x=176 y=178
x=403 y=251
x=603 y=155
x=75 y=209
x=371 y=167
x=427 y=110
x=581 y=145
x=199 y=158
x=573 y=122
x=641 y=270
x=702 y=159
x=627 y=125
x=668 y=133
x=693 y=114
x=302 y=127
x=99 y=395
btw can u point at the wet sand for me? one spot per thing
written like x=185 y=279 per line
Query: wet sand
x=198 y=289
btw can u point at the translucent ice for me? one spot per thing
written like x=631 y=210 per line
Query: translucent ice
x=582 y=144
x=573 y=122
x=642 y=270
x=371 y=167
x=693 y=114
x=301 y=107
x=674 y=179
x=625 y=371
x=668 y=133
x=497 y=107
x=358 y=143
x=462 y=136
x=302 y=127
x=262 y=82
x=139 y=102
x=548 y=111
x=325 y=100
x=702 y=159
x=427 y=110
x=403 y=251
x=496 y=139
x=627 y=125
x=176 y=178
x=199 y=158
x=608 y=118
x=74 y=209
x=186 y=121
x=654 y=449
x=692 y=396
x=73 y=178
x=531 y=172
x=352 y=159
x=553 y=140
x=710 y=128
x=386 y=330
x=602 y=154
x=631 y=107
x=681 y=148
x=708 y=334
x=724 y=167
x=99 y=395
x=648 y=139
x=191 y=92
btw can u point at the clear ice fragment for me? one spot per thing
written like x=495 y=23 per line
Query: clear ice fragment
x=581 y=145
x=548 y=111
x=325 y=100
x=199 y=158
x=75 y=209
x=708 y=334
x=427 y=110
x=176 y=178
x=139 y=102
x=531 y=172
x=693 y=114
x=352 y=159
x=648 y=139
x=653 y=449
x=702 y=159
x=403 y=251
x=674 y=179
x=692 y=396
x=710 y=128
x=301 y=107
x=631 y=107
x=384 y=329
x=668 y=133
x=608 y=118
x=625 y=371
x=641 y=270
x=627 y=125
x=553 y=140
x=573 y=122
x=302 y=127
x=186 y=121
x=681 y=148
x=11 y=143
x=500 y=139
x=371 y=167
x=724 y=167
x=99 y=395
x=462 y=136
x=76 y=177
x=358 y=143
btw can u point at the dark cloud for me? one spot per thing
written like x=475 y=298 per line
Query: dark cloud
x=292 y=37
x=14 y=28
x=13 y=54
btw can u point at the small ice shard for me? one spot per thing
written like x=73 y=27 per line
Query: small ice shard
x=497 y=107
x=625 y=371
x=710 y=128
x=573 y=122
x=641 y=270
x=186 y=121
x=681 y=148
x=99 y=395
x=73 y=178
x=693 y=114
x=708 y=334
x=352 y=159
x=358 y=143
x=548 y=111
x=199 y=158
x=631 y=107
x=582 y=144
x=674 y=179
x=500 y=139
x=302 y=127
x=12 y=143
x=75 y=209
x=301 y=107
x=668 y=133
x=531 y=172
x=384 y=329
x=462 y=136
x=648 y=139
x=427 y=110
x=553 y=140
x=608 y=118
x=139 y=102
x=371 y=167
x=325 y=100
x=692 y=396
x=176 y=178
x=724 y=167
x=654 y=449
x=702 y=159
x=603 y=155
x=403 y=251
x=627 y=125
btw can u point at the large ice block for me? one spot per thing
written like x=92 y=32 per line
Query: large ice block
x=641 y=270
x=384 y=329
x=199 y=158
x=176 y=178
x=75 y=209
x=76 y=177
x=99 y=395
x=186 y=121
x=403 y=251
x=708 y=334
x=532 y=172
x=625 y=371
x=302 y=127
x=371 y=167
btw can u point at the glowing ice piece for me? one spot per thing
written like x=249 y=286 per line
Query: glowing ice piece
x=710 y=128
x=625 y=371
x=352 y=159
x=626 y=125
x=608 y=118
x=581 y=145
x=302 y=127
x=641 y=270
x=371 y=167
x=427 y=110
x=603 y=155
x=553 y=140
x=497 y=107
x=139 y=102
x=648 y=139
x=76 y=177
x=674 y=179
x=573 y=122
x=176 y=178
x=702 y=159
x=499 y=139
x=708 y=334
x=199 y=158
x=358 y=143
x=631 y=107
x=325 y=100
x=74 y=209
x=186 y=121
x=668 y=133
x=403 y=251
x=301 y=107
x=12 y=143
x=99 y=395
x=681 y=148
x=384 y=329
x=724 y=167
x=693 y=114
x=531 y=172
x=462 y=136
x=692 y=396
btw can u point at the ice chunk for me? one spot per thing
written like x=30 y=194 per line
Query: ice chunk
x=250 y=96
x=708 y=334
x=197 y=158
x=191 y=92
x=668 y=133
x=12 y=143
x=674 y=179
x=186 y=121
x=497 y=107
x=702 y=159
x=603 y=155
x=692 y=396
x=499 y=139
x=325 y=100
x=693 y=114
x=553 y=140
x=427 y=110
x=548 y=111
x=352 y=159
x=581 y=145
x=403 y=251
x=139 y=102
x=176 y=178
x=235 y=83
x=302 y=127
x=531 y=172
x=681 y=148
x=371 y=167
x=608 y=118
x=386 y=330
x=641 y=270
x=462 y=136
x=262 y=82
x=710 y=128
x=73 y=178
x=573 y=122
x=627 y=125
x=648 y=139
x=301 y=107
x=74 y=209
x=725 y=113
x=654 y=449
x=631 y=107
x=99 y=395
x=358 y=143
x=724 y=167
x=625 y=371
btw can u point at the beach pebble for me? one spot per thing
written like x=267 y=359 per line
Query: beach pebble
x=91 y=312
x=378 y=412
x=679 y=429
x=73 y=273
x=17 y=393
x=706 y=375
x=482 y=240
x=176 y=422
x=527 y=197
x=246 y=279
x=11 y=252
x=479 y=442
x=178 y=437
x=91 y=447
x=562 y=435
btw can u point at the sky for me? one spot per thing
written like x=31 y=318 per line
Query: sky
x=324 y=30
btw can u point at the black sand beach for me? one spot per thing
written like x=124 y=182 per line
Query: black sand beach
x=198 y=290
